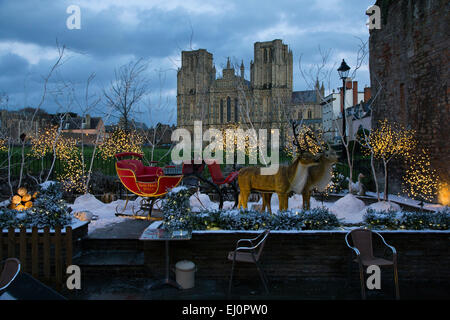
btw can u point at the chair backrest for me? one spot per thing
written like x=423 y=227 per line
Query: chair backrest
x=362 y=240
x=215 y=171
x=261 y=243
x=9 y=273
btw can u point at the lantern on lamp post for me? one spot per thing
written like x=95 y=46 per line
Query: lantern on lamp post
x=343 y=71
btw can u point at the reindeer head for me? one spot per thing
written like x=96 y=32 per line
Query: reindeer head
x=330 y=155
x=307 y=159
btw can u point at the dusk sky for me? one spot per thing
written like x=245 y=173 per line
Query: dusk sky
x=115 y=32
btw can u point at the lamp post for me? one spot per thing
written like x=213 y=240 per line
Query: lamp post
x=343 y=71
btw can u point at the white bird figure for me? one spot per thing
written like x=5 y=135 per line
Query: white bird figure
x=358 y=187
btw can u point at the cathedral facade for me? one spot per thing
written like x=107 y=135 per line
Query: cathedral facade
x=266 y=101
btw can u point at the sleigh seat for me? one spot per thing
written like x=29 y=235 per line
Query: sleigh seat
x=141 y=172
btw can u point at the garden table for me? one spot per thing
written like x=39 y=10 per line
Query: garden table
x=166 y=236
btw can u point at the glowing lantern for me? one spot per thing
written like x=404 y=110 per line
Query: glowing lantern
x=444 y=195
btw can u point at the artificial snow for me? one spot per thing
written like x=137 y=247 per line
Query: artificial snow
x=349 y=208
x=408 y=201
x=5 y=203
x=384 y=206
x=294 y=202
x=177 y=189
x=201 y=202
x=105 y=213
x=47 y=184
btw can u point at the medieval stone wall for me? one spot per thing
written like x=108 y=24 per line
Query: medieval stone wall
x=409 y=60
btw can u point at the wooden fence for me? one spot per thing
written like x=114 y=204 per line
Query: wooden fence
x=45 y=255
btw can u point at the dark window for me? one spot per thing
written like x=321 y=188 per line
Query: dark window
x=309 y=114
x=228 y=109
x=221 y=111
x=265 y=55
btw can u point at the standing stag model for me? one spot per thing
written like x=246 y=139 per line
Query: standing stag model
x=304 y=174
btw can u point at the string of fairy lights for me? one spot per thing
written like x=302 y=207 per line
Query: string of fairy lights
x=120 y=141
x=65 y=149
x=308 y=139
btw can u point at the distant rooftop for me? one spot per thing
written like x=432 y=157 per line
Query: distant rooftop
x=307 y=96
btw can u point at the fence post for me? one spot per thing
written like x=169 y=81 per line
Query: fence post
x=68 y=246
x=11 y=243
x=58 y=269
x=23 y=247
x=46 y=249
x=34 y=252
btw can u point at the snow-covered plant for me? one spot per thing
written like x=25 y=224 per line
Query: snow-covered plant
x=426 y=220
x=408 y=220
x=387 y=219
x=49 y=209
x=177 y=210
x=319 y=218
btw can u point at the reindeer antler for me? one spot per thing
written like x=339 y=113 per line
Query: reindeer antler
x=294 y=132
x=306 y=134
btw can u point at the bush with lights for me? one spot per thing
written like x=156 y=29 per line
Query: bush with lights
x=176 y=209
x=388 y=219
x=408 y=220
x=49 y=209
x=178 y=215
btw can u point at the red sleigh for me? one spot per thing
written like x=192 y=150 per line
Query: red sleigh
x=148 y=182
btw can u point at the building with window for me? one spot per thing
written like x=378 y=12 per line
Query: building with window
x=265 y=101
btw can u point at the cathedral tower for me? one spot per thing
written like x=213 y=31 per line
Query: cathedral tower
x=194 y=80
x=272 y=67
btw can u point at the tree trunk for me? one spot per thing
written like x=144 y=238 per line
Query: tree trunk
x=350 y=166
x=385 y=181
x=22 y=163
x=374 y=176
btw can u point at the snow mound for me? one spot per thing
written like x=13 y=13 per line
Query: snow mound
x=4 y=203
x=200 y=202
x=47 y=184
x=177 y=189
x=105 y=212
x=87 y=202
x=349 y=208
x=384 y=206
x=294 y=203
x=228 y=205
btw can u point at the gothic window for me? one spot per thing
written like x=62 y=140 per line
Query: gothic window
x=236 y=110
x=265 y=55
x=271 y=54
x=221 y=111
x=228 y=109
x=309 y=114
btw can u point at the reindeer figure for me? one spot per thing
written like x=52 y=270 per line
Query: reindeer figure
x=289 y=179
x=319 y=176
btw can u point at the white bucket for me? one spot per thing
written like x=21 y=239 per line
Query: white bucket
x=185 y=274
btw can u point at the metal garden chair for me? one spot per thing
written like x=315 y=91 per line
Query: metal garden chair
x=10 y=271
x=362 y=247
x=249 y=254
